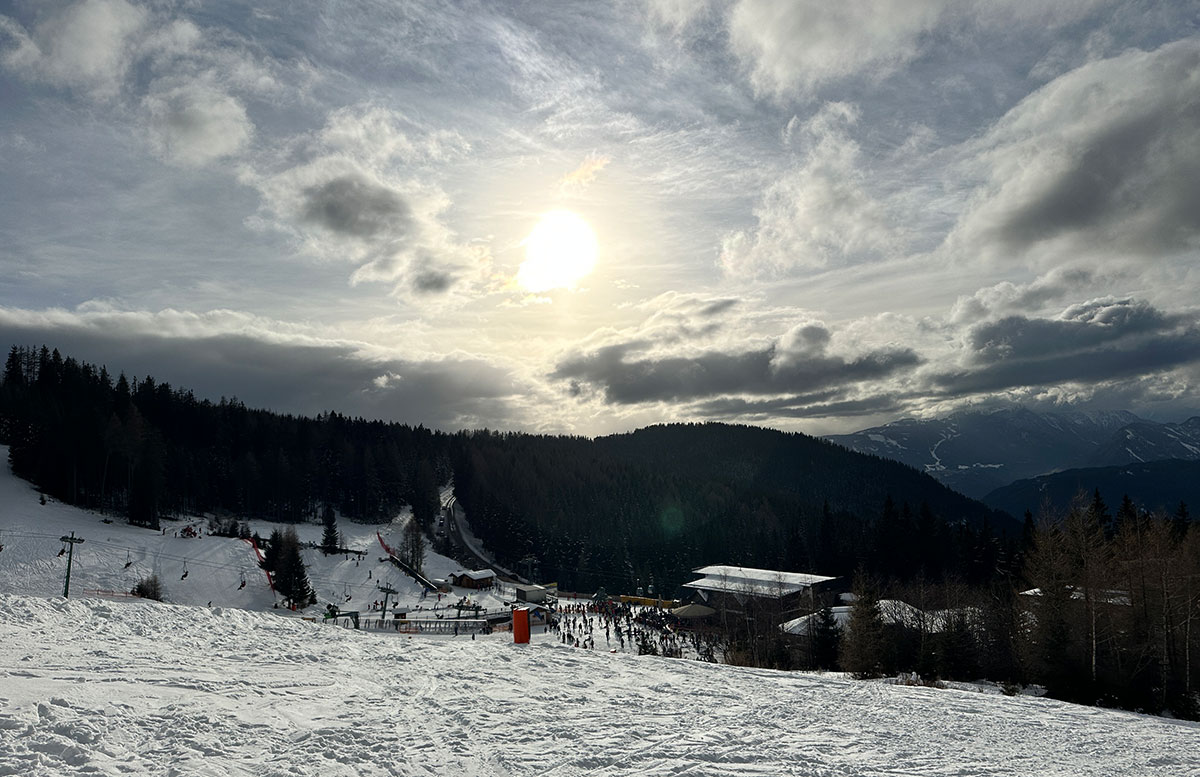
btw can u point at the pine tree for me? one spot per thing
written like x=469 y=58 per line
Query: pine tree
x=862 y=646
x=330 y=541
x=291 y=577
x=824 y=635
x=271 y=551
x=149 y=588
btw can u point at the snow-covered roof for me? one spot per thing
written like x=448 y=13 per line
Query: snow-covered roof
x=893 y=611
x=1106 y=596
x=757 y=582
x=475 y=574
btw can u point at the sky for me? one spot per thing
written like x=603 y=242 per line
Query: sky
x=586 y=217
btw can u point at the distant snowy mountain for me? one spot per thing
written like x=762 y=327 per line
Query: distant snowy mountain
x=976 y=452
x=1148 y=441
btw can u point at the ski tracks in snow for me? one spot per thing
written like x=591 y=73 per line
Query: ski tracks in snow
x=93 y=688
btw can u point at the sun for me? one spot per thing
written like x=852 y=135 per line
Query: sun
x=559 y=251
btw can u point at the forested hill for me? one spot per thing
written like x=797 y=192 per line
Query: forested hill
x=651 y=505
x=146 y=450
x=1157 y=486
x=772 y=461
x=618 y=511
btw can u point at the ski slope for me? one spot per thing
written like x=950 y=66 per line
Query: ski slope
x=115 y=555
x=91 y=687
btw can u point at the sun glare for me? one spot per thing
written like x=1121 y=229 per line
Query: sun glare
x=559 y=251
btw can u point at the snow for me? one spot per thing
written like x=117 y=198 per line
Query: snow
x=104 y=688
x=110 y=686
x=884 y=439
x=892 y=611
x=30 y=563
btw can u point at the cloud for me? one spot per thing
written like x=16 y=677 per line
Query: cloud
x=376 y=135
x=583 y=175
x=796 y=363
x=821 y=405
x=818 y=213
x=1100 y=161
x=1092 y=342
x=676 y=317
x=193 y=124
x=1007 y=297
x=85 y=47
x=352 y=205
x=272 y=364
x=1081 y=327
x=352 y=191
x=792 y=48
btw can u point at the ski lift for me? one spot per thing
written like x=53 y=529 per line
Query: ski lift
x=243 y=585
x=346 y=591
x=185 y=572
x=128 y=560
x=62 y=551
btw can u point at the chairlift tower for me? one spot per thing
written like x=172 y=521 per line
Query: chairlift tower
x=387 y=591
x=71 y=541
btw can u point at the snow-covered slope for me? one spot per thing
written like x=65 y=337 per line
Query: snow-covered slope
x=96 y=687
x=115 y=555
x=1145 y=441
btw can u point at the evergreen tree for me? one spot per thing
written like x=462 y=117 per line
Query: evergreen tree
x=149 y=588
x=958 y=658
x=291 y=576
x=862 y=646
x=271 y=551
x=1127 y=515
x=330 y=542
x=824 y=635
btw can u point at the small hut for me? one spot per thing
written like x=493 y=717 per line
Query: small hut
x=476 y=578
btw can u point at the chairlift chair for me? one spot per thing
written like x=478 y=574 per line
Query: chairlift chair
x=185 y=572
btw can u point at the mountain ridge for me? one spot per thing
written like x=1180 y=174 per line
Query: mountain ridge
x=976 y=452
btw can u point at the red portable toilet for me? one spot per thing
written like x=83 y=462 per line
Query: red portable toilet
x=521 y=626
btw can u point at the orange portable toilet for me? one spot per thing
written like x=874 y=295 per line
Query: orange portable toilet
x=521 y=626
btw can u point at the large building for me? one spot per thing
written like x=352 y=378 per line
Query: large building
x=748 y=592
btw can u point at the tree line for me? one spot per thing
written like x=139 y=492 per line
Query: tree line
x=146 y=450
x=1103 y=610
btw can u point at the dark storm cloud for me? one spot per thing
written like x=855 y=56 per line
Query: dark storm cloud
x=1091 y=366
x=1092 y=342
x=353 y=206
x=766 y=371
x=290 y=376
x=430 y=281
x=1083 y=326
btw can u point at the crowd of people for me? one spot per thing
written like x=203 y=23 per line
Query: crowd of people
x=625 y=627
